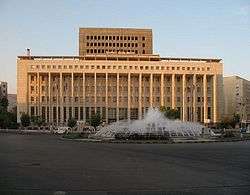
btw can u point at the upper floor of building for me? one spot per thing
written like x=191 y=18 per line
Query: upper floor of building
x=115 y=40
x=120 y=64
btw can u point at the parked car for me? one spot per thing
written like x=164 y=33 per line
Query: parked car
x=61 y=130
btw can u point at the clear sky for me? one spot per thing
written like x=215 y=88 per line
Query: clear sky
x=197 y=28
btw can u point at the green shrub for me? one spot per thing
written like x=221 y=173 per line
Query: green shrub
x=73 y=136
x=72 y=122
x=25 y=120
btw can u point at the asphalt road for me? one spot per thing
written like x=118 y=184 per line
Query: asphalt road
x=44 y=164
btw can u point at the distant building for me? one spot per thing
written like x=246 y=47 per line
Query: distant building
x=3 y=89
x=237 y=97
x=12 y=102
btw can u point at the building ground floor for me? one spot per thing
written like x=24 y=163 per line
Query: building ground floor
x=60 y=115
x=56 y=97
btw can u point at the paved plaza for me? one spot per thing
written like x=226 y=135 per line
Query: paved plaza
x=45 y=164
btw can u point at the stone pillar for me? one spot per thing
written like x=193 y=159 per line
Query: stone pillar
x=117 y=96
x=173 y=91
x=68 y=102
x=39 y=95
x=57 y=102
x=194 y=90
x=140 y=96
x=28 y=94
x=205 y=97
x=184 y=98
x=162 y=89
x=215 y=98
x=61 y=98
x=106 y=100
x=72 y=95
x=50 y=98
x=151 y=90
x=129 y=95
x=95 y=91
x=83 y=97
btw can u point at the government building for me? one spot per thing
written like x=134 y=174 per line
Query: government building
x=117 y=74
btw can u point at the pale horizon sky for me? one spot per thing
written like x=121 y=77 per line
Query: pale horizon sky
x=207 y=29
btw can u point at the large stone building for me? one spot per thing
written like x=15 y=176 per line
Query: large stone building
x=118 y=85
x=3 y=89
x=237 y=97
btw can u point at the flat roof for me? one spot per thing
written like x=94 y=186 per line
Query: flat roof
x=125 y=57
x=115 y=29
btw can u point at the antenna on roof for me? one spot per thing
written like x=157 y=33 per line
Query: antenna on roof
x=28 y=51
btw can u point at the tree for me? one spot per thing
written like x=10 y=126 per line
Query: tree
x=4 y=120
x=236 y=119
x=25 y=119
x=170 y=113
x=7 y=119
x=162 y=109
x=4 y=104
x=37 y=120
x=95 y=120
x=71 y=122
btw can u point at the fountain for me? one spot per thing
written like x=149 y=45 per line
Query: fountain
x=153 y=126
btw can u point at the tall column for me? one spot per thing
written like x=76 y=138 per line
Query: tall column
x=61 y=98
x=173 y=91
x=95 y=91
x=194 y=90
x=49 y=98
x=184 y=98
x=151 y=90
x=68 y=100
x=162 y=89
x=129 y=81
x=57 y=100
x=106 y=99
x=205 y=97
x=39 y=95
x=117 y=96
x=28 y=94
x=83 y=97
x=140 y=98
x=79 y=98
x=215 y=98
x=72 y=95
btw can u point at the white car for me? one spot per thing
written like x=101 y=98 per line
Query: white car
x=61 y=130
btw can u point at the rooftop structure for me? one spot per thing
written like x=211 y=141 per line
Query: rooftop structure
x=115 y=40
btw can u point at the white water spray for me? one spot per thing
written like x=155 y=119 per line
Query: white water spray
x=154 y=122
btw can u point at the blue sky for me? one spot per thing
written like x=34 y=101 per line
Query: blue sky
x=212 y=28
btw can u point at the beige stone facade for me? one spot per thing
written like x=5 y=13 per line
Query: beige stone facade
x=237 y=97
x=115 y=40
x=119 y=86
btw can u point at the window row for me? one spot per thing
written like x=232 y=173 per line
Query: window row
x=114 y=99
x=91 y=51
x=117 y=38
x=114 y=44
x=120 y=67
